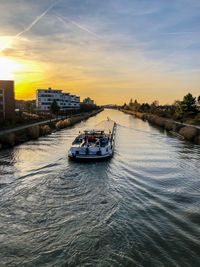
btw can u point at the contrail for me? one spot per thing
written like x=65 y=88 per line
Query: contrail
x=64 y=19
x=37 y=19
x=33 y=23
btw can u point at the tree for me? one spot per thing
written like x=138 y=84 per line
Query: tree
x=178 y=108
x=154 y=106
x=198 y=99
x=155 y=103
x=54 y=107
x=134 y=105
x=125 y=106
x=28 y=106
x=87 y=107
x=144 y=107
x=189 y=103
x=131 y=103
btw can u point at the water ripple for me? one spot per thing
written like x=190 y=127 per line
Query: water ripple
x=141 y=208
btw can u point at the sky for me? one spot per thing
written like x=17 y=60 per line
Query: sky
x=110 y=50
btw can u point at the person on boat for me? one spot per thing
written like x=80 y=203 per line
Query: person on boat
x=86 y=139
x=98 y=142
x=87 y=151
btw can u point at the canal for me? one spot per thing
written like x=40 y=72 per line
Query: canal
x=141 y=208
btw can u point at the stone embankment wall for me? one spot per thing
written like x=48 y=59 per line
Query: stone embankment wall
x=33 y=132
x=187 y=132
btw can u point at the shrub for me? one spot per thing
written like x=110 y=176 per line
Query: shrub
x=160 y=121
x=33 y=132
x=188 y=132
x=45 y=129
x=151 y=118
x=177 y=126
x=168 y=125
x=8 y=139
x=21 y=136
x=59 y=125
x=66 y=122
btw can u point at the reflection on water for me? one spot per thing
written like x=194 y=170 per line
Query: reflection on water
x=141 y=208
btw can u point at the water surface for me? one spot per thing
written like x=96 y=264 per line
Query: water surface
x=141 y=208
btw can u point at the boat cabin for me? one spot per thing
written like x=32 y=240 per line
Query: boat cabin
x=92 y=138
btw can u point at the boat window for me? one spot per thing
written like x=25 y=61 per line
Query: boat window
x=77 y=141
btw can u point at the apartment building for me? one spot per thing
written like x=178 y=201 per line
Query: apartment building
x=7 y=100
x=65 y=101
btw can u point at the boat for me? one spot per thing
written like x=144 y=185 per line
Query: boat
x=94 y=144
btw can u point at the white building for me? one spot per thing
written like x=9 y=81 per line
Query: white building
x=65 y=101
x=88 y=101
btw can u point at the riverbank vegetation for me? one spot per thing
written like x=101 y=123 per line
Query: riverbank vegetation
x=28 y=114
x=181 y=119
x=15 y=137
x=187 y=110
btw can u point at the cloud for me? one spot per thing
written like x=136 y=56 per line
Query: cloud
x=29 y=27
x=96 y=47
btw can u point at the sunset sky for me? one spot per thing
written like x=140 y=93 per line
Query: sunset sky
x=110 y=50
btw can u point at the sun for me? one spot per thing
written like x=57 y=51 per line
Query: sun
x=5 y=42
x=9 y=68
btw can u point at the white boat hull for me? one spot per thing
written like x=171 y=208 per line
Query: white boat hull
x=90 y=157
